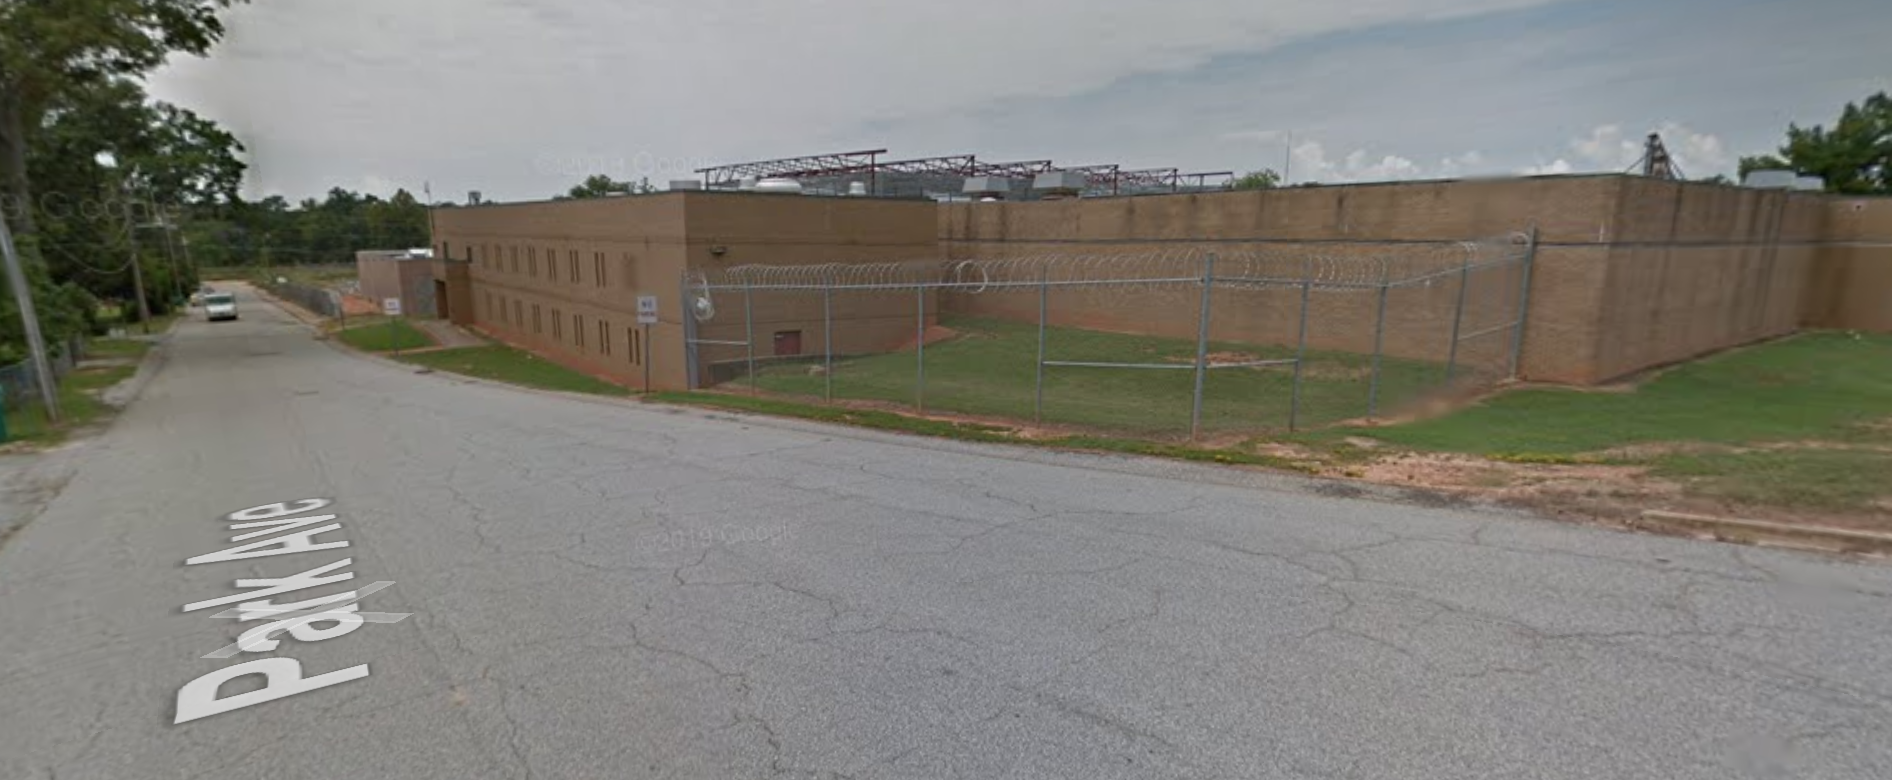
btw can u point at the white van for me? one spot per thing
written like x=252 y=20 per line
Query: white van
x=220 y=306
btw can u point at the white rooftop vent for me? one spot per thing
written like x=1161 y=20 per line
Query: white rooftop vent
x=857 y=188
x=782 y=186
x=1770 y=179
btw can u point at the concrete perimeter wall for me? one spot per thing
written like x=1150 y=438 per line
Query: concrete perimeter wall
x=1851 y=286
x=1629 y=273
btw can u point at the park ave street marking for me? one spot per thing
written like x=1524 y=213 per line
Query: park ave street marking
x=282 y=676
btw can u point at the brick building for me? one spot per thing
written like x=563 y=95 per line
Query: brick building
x=1629 y=272
x=562 y=278
x=407 y=274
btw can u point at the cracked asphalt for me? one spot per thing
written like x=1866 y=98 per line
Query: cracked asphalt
x=606 y=590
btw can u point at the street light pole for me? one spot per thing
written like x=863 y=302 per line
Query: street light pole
x=23 y=295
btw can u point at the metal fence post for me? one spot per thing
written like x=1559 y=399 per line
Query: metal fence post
x=1300 y=349
x=748 y=336
x=1202 y=346
x=1044 y=289
x=1379 y=344
x=827 y=340
x=1458 y=317
x=1524 y=304
x=691 y=378
x=919 y=387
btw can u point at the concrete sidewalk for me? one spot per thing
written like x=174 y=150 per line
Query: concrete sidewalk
x=447 y=334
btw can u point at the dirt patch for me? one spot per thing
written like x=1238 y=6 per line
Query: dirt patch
x=359 y=306
x=933 y=335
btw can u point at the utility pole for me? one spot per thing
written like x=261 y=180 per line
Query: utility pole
x=170 y=250
x=23 y=295
x=1287 y=160
x=137 y=271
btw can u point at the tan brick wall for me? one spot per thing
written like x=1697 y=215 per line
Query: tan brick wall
x=382 y=277
x=549 y=255
x=1573 y=215
x=1851 y=282
x=1630 y=273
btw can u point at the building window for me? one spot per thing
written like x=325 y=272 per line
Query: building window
x=532 y=261
x=515 y=258
x=635 y=353
x=500 y=316
x=518 y=314
x=551 y=264
x=489 y=306
x=536 y=322
x=597 y=271
x=558 y=329
x=578 y=328
x=604 y=337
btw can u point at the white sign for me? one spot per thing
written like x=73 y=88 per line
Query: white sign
x=646 y=309
x=391 y=307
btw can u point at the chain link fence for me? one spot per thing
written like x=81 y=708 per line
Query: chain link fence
x=1188 y=342
x=20 y=381
x=320 y=300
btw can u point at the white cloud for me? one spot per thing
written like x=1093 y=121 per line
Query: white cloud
x=1559 y=165
x=1311 y=163
x=1609 y=149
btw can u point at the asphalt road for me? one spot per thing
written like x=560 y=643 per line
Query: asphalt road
x=602 y=590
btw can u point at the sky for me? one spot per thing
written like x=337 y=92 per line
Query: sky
x=520 y=99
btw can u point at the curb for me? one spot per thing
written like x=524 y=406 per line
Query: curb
x=1763 y=533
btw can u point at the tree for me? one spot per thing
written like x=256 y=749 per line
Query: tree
x=48 y=49
x=600 y=186
x=1854 y=157
x=1264 y=179
x=171 y=165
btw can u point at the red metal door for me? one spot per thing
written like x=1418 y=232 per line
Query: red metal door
x=787 y=342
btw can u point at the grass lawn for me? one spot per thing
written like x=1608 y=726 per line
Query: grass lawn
x=383 y=335
x=76 y=401
x=1802 y=423
x=990 y=369
x=1826 y=386
x=117 y=348
x=505 y=364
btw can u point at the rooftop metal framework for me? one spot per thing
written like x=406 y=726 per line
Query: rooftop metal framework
x=943 y=177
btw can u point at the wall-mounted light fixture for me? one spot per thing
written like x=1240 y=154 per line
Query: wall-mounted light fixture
x=719 y=250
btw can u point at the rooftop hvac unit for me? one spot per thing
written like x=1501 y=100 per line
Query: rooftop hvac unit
x=1770 y=179
x=781 y=186
x=685 y=184
x=988 y=186
x=857 y=188
x=748 y=184
x=1060 y=182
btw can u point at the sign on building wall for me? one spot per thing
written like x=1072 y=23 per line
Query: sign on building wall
x=391 y=307
x=646 y=309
